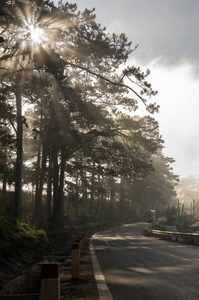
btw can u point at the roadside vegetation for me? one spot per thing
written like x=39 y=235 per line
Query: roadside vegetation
x=74 y=155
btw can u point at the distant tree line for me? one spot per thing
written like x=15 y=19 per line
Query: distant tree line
x=63 y=127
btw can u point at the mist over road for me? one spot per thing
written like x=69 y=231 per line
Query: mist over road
x=138 y=267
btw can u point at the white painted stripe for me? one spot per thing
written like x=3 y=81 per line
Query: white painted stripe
x=99 y=277
x=102 y=287
x=104 y=292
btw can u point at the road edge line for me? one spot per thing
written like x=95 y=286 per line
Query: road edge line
x=104 y=292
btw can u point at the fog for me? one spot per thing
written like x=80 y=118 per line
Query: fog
x=166 y=32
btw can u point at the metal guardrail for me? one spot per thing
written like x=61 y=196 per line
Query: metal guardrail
x=187 y=238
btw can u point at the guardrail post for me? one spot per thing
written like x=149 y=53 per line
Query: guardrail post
x=79 y=241
x=83 y=240
x=75 y=261
x=187 y=238
x=50 y=281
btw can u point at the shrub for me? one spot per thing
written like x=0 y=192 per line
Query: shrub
x=171 y=215
x=41 y=234
x=25 y=226
x=2 y=230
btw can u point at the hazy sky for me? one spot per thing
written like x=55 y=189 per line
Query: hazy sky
x=167 y=32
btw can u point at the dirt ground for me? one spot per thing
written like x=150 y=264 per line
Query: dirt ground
x=15 y=266
x=84 y=288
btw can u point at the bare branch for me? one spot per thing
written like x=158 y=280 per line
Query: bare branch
x=108 y=80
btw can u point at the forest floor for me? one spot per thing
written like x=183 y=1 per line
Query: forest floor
x=16 y=261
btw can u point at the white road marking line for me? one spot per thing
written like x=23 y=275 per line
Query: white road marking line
x=104 y=292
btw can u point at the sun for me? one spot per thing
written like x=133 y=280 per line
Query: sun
x=36 y=34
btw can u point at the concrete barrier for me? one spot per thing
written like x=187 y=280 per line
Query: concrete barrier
x=187 y=238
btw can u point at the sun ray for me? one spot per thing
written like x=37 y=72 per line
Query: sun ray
x=37 y=34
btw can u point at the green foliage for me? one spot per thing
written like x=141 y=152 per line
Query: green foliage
x=77 y=121
x=25 y=226
x=87 y=222
x=20 y=234
x=2 y=229
x=7 y=204
x=41 y=234
x=13 y=222
x=171 y=215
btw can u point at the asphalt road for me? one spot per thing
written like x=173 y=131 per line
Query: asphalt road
x=138 y=267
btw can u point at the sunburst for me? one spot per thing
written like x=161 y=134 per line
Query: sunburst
x=37 y=34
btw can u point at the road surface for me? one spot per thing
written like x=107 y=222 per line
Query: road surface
x=138 y=267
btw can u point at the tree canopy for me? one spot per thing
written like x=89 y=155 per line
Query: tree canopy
x=65 y=84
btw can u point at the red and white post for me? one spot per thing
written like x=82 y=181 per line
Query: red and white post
x=50 y=281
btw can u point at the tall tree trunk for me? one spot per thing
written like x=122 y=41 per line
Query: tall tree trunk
x=60 y=219
x=121 y=203
x=4 y=188
x=77 y=196
x=98 y=194
x=103 y=194
x=84 y=186
x=55 y=183
x=92 y=189
x=19 y=159
x=58 y=200
x=112 y=200
x=49 y=187
x=38 y=198
x=38 y=166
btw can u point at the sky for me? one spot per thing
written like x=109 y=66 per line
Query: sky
x=167 y=34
